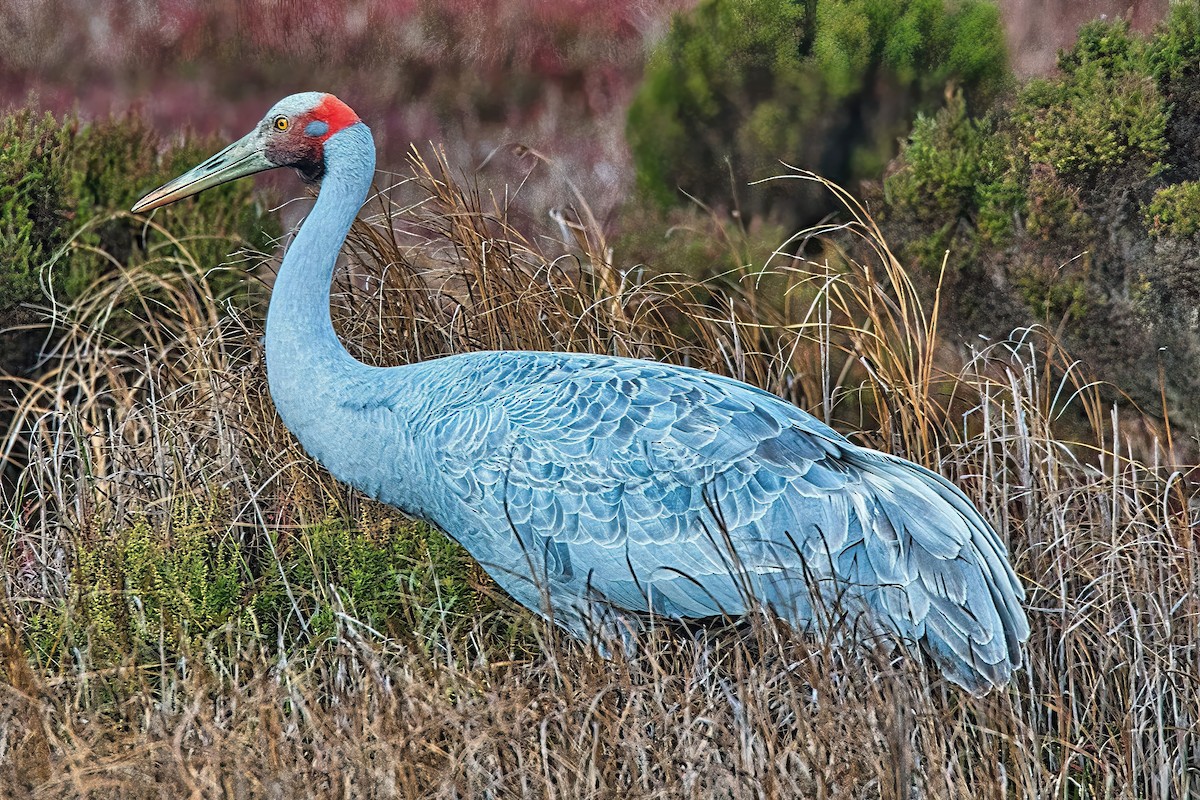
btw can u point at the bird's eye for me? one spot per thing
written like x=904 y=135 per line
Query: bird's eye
x=281 y=123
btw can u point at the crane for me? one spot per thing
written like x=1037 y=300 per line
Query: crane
x=601 y=491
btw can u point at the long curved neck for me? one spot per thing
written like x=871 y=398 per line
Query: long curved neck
x=307 y=366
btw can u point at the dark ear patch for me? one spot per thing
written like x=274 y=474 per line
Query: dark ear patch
x=311 y=171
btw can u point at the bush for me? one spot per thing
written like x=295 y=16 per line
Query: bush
x=34 y=201
x=739 y=85
x=1104 y=110
x=1046 y=201
x=66 y=183
x=65 y=190
x=956 y=168
x=1174 y=210
x=64 y=180
x=1174 y=54
x=158 y=594
x=117 y=161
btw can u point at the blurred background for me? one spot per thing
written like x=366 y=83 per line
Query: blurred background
x=473 y=76
x=556 y=76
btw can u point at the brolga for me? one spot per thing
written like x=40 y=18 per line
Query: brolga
x=601 y=491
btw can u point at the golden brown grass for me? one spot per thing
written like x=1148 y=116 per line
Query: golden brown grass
x=1108 y=706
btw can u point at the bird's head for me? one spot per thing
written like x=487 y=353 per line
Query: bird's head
x=292 y=134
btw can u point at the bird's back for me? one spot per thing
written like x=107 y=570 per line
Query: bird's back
x=651 y=487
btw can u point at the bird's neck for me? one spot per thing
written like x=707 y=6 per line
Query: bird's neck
x=308 y=369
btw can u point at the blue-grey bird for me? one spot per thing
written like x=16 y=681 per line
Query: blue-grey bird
x=599 y=490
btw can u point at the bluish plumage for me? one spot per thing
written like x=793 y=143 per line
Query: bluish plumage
x=591 y=487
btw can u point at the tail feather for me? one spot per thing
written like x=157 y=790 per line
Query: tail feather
x=957 y=572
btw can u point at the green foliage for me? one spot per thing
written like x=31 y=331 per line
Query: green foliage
x=150 y=593
x=377 y=577
x=956 y=167
x=1044 y=202
x=34 y=207
x=1095 y=121
x=1104 y=110
x=63 y=181
x=1174 y=54
x=1051 y=297
x=687 y=241
x=739 y=85
x=1174 y=210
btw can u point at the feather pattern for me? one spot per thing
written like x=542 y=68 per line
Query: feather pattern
x=583 y=480
x=596 y=489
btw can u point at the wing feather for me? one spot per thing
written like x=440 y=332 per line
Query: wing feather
x=679 y=492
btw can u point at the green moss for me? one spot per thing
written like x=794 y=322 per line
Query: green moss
x=1174 y=210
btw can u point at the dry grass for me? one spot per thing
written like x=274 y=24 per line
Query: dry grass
x=1107 y=707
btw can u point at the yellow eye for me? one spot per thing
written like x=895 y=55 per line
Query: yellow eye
x=281 y=123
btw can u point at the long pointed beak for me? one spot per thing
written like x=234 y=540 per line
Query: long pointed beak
x=243 y=157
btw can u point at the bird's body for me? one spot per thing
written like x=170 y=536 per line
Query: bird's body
x=595 y=489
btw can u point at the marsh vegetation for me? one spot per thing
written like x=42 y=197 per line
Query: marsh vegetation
x=192 y=607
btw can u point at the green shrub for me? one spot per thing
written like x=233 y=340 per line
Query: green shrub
x=149 y=593
x=740 y=85
x=1174 y=210
x=116 y=162
x=701 y=245
x=378 y=577
x=1174 y=53
x=956 y=166
x=1104 y=110
x=64 y=181
x=1051 y=297
x=35 y=205
x=1044 y=201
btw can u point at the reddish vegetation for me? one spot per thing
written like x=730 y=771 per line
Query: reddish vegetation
x=555 y=76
